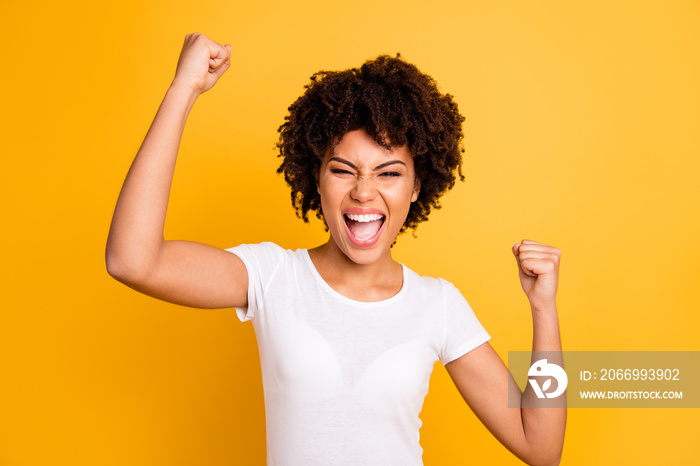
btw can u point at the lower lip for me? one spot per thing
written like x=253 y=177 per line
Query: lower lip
x=369 y=242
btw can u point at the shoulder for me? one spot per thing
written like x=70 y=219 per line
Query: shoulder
x=261 y=250
x=432 y=286
x=266 y=246
x=265 y=256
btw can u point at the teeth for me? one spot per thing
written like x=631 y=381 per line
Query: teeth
x=364 y=218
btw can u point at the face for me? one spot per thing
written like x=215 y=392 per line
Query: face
x=366 y=191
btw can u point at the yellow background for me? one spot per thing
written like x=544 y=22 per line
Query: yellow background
x=582 y=132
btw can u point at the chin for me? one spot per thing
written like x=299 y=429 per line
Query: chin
x=366 y=256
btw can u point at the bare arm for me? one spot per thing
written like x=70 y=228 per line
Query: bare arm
x=137 y=254
x=534 y=434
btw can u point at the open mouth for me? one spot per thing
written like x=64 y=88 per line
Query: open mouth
x=364 y=229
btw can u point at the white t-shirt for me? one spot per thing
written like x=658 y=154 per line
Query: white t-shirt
x=344 y=380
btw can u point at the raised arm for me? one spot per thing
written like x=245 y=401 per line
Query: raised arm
x=137 y=254
x=534 y=434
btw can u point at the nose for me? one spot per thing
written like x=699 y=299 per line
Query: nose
x=364 y=189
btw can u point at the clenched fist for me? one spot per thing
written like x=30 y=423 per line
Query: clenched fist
x=538 y=268
x=202 y=62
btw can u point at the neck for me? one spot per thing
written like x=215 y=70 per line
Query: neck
x=375 y=281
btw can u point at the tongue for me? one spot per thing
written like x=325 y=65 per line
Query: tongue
x=364 y=230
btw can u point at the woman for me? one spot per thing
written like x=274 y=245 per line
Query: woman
x=347 y=336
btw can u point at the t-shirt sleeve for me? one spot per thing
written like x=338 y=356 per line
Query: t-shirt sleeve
x=462 y=330
x=261 y=261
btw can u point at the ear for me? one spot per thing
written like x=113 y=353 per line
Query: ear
x=416 y=190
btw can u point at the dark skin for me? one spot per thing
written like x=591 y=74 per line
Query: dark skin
x=364 y=178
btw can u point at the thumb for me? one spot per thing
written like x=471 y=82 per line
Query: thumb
x=522 y=271
x=222 y=62
x=218 y=55
x=516 y=253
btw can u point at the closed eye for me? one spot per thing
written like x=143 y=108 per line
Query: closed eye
x=390 y=174
x=340 y=171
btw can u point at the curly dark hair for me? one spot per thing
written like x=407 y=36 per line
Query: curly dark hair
x=393 y=101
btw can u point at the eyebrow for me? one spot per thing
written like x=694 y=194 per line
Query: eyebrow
x=378 y=167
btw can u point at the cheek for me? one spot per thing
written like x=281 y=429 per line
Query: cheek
x=331 y=196
x=400 y=200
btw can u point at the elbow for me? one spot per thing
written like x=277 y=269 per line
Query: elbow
x=124 y=269
x=546 y=447
x=548 y=462
x=544 y=458
x=117 y=268
x=554 y=462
